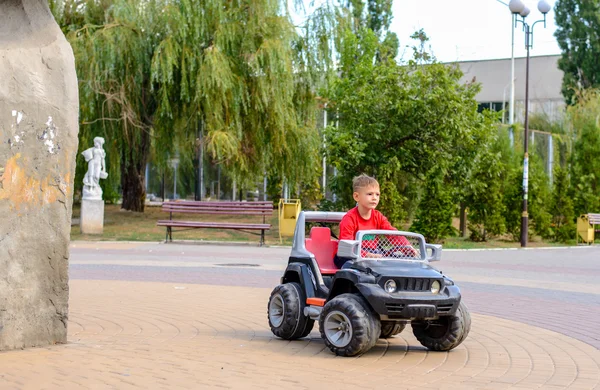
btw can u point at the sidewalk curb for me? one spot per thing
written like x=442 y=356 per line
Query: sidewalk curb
x=253 y=244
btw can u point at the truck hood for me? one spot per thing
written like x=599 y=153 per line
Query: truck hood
x=398 y=268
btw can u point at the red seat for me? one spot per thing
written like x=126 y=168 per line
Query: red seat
x=324 y=248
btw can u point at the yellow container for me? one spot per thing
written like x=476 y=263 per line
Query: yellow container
x=288 y=214
x=585 y=230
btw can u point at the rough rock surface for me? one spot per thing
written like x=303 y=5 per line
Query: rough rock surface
x=38 y=142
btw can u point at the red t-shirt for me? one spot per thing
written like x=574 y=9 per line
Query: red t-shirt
x=352 y=222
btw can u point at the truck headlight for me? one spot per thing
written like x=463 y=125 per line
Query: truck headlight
x=390 y=286
x=435 y=287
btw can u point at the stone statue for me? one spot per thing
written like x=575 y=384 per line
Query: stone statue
x=96 y=159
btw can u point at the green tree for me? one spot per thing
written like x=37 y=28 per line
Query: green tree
x=235 y=75
x=513 y=201
x=436 y=209
x=562 y=207
x=113 y=61
x=585 y=164
x=398 y=122
x=72 y=15
x=539 y=198
x=485 y=196
x=578 y=36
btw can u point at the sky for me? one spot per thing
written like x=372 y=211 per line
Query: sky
x=462 y=30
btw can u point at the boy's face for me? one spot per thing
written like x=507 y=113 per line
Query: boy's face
x=367 y=197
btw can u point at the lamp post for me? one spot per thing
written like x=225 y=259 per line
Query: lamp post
x=518 y=8
x=174 y=163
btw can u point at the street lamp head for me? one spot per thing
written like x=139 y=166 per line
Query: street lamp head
x=525 y=12
x=516 y=6
x=544 y=7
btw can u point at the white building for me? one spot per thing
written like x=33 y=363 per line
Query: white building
x=545 y=80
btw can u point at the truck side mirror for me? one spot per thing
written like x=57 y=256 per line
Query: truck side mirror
x=348 y=249
x=433 y=252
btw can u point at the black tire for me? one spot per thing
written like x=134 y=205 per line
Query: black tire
x=446 y=333
x=391 y=328
x=285 y=312
x=375 y=322
x=359 y=327
x=307 y=328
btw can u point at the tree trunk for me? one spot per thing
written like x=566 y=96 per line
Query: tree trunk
x=133 y=163
x=463 y=219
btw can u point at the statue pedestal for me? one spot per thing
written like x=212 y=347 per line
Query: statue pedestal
x=91 y=219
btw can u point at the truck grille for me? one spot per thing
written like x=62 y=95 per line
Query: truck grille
x=413 y=284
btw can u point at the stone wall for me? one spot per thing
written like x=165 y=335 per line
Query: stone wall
x=38 y=144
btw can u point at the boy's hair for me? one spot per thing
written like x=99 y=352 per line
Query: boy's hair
x=363 y=181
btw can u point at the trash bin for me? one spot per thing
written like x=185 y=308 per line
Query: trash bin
x=585 y=230
x=288 y=214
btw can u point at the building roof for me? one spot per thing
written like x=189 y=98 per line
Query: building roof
x=545 y=79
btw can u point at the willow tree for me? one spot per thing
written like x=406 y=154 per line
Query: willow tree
x=159 y=73
x=240 y=73
x=116 y=92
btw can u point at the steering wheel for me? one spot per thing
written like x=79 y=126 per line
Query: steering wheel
x=401 y=251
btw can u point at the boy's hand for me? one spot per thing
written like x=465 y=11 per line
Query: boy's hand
x=372 y=255
x=402 y=251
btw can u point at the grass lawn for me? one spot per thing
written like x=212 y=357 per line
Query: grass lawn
x=129 y=226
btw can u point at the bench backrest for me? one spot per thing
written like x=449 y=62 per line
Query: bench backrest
x=203 y=207
x=594 y=219
x=323 y=247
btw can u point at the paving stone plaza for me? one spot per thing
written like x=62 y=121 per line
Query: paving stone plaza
x=156 y=316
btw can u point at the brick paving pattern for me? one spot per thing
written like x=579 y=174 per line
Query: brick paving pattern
x=163 y=335
x=147 y=316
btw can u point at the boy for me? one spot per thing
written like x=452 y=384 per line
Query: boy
x=364 y=216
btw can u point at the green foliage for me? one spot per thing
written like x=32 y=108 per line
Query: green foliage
x=434 y=216
x=539 y=199
x=511 y=164
x=399 y=123
x=155 y=78
x=485 y=199
x=513 y=202
x=113 y=61
x=577 y=34
x=240 y=71
x=585 y=157
x=392 y=201
x=563 y=216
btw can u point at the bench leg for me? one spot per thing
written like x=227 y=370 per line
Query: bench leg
x=262 y=238
x=169 y=234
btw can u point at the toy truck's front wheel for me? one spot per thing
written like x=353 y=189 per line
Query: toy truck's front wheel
x=286 y=312
x=445 y=333
x=348 y=325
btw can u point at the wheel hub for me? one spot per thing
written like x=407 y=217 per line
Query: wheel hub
x=276 y=310
x=338 y=329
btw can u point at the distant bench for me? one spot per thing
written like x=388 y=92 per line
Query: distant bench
x=264 y=209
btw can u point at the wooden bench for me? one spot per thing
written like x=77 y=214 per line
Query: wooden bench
x=264 y=209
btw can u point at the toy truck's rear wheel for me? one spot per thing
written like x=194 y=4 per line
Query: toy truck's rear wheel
x=348 y=325
x=446 y=332
x=286 y=312
x=391 y=328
